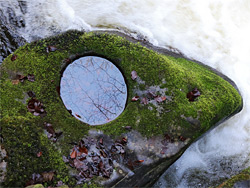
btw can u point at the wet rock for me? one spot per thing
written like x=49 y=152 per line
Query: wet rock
x=242 y=184
x=10 y=39
x=240 y=180
x=159 y=129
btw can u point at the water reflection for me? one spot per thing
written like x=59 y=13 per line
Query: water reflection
x=94 y=90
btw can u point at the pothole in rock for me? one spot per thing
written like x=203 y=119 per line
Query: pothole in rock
x=93 y=90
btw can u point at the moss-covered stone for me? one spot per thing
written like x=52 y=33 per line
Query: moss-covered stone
x=23 y=132
x=241 y=177
x=35 y=186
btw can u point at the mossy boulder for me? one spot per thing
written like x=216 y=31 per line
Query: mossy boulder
x=158 y=132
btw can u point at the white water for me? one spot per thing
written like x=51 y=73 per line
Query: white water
x=215 y=32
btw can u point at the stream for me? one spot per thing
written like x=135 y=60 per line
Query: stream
x=213 y=32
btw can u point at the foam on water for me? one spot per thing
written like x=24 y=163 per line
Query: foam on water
x=215 y=32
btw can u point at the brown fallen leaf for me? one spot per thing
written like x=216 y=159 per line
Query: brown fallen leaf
x=13 y=58
x=51 y=133
x=132 y=164
x=139 y=161
x=160 y=99
x=181 y=138
x=124 y=141
x=192 y=95
x=70 y=111
x=82 y=158
x=83 y=150
x=78 y=116
x=101 y=165
x=135 y=98
x=103 y=153
x=163 y=98
x=81 y=143
x=39 y=154
x=73 y=154
x=49 y=128
x=31 y=77
x=36 y=107
x=21 y=77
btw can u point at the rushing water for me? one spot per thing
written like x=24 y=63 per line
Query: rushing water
x=215 y=32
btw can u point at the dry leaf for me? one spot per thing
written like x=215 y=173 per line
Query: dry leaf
x=78 y=116
x=181 y=138
x=83 y=150
x=160 y=99
x=135 y=98
x=36 y=107
x=73 y=154
x=163 y=98
x=21 y=77
x=39 y=154
x=13 y=58
x=192 y=95
x=139 y=161
x=31 y=77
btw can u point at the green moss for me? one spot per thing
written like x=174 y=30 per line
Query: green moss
x=24 y=131
x=244 y=175
x=36 y=186
x=24 y=139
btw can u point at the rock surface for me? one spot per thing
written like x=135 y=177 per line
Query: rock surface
x=241 y=180
x=10 y=39
x=152 y=132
